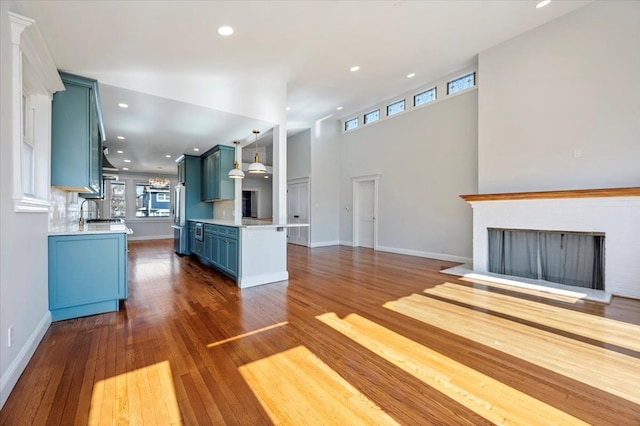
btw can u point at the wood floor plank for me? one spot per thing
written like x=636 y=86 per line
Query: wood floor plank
x=189 y=347
x=598 y=367
x=491 y=399
x=607 y=331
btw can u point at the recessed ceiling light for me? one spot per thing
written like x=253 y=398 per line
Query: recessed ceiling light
x=266 y=177
x=121 y=138
x=354 y=68
x=288 y=108
x=123 y=105
x=543 y=3
x=125 y=168
x=225 y=31
x=120 y=152
x=127 y=161
x=168 y=156
x=411 y=75
x=339 y=108
x=196 y=149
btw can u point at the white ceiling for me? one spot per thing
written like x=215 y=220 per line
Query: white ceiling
x=172 y=49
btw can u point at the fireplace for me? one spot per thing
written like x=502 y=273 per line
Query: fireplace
x=570 y=258
x=610 y=216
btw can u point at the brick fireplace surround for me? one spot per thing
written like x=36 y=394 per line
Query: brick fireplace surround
x=612 y=211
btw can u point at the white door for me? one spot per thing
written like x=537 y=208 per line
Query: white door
x=365 y=211
x=298 y=212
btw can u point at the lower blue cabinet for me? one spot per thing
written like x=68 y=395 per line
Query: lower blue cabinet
x=219 y=248
x=87 y=274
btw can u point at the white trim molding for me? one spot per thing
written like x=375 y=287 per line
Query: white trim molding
x=12 y=374
x=31 y=205
x=325 y=244
x=33 y=70
x=427 y=254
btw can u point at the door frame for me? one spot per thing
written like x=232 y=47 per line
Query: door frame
x=307 y=181
x=355 y=182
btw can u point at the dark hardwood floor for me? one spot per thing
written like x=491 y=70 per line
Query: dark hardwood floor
x=355 y=337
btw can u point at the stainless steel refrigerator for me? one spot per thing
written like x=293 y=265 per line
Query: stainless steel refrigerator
x=179 y=222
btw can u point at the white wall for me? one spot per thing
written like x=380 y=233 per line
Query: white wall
x=570 y=84
x=299 y=155
x=23 y=246
x=426 y=158
x=324 y=183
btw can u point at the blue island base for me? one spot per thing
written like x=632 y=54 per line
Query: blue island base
x=85 y=310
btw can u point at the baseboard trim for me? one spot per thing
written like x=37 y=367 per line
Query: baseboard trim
x=263 y=279
x=11 y=376
x=346 y=243
x=417 y=253
x=324 y=244
x=151 y=237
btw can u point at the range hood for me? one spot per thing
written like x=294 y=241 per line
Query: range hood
x=109 y=172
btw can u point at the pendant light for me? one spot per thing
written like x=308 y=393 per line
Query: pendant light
x=257 y=166
x=236 y=172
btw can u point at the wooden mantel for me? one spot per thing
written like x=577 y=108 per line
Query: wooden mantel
x=572 y=193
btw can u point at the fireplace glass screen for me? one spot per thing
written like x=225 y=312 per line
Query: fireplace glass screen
x=571 y=258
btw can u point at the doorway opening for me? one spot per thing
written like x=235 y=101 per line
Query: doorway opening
x=250 y=204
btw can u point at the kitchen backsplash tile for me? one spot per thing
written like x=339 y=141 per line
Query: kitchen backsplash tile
x=223 y=209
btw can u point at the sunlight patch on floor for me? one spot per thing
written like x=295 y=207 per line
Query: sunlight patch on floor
x=143 y=396
x=547 y=289
x=598 y=328
x=295 y=387
x=607 y=370
x=482 y=394
x=250 y=333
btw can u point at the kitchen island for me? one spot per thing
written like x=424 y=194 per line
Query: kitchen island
x=253 y=252
x=87 y=269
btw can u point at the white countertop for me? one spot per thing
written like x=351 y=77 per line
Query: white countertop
x=249 y=223
x=91 y=228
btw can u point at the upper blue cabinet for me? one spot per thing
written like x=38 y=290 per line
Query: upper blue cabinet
x=77 y=133
x=216 y=184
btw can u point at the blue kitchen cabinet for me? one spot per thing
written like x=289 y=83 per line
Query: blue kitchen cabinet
x=216 y=163
x=230 y=264
x=210 y=244
x=191 y=168
x=181 y=171
x=87 y=274
x=77 y=133
x=219 y=247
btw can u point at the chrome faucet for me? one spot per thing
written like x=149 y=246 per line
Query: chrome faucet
x=81 y=220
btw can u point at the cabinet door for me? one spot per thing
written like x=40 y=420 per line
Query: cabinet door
x=214 y=174
x=209 y=247
x=206 y=185
x=87 y=274
x=76 y=147
x=217 y=248
x=95 y=157
x=192 y=238
x=231 y=247
x=226 y=185
x=181 y=174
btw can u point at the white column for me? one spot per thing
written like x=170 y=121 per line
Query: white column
x=280 y=172
x=237 y=197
